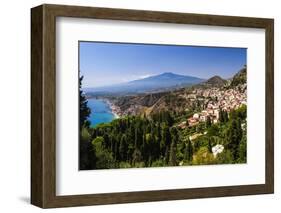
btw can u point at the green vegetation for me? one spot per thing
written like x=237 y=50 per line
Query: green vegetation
x=156 y=141
x=86 y=153
x=85 y=111
x=240 y=77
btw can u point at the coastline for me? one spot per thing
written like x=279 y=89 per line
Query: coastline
x=115 y=110
x=115 y=115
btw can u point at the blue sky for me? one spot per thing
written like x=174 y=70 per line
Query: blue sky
x=112 y=63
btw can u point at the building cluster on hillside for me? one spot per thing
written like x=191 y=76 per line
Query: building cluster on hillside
x=215 y=99
x=132 y=110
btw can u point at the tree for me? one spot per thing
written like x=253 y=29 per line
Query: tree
x=158 y=137
x=209 y=145
x=203 y=157
x=188 y=153
x=213 y=130
x=138 y=137
x=106 y=141
x=145 y=148
x=208 y=122
x=200 y=127
x=85 y=111
x=104 y=158
x=225 y=157
x=243 y=149
x=165 y=142
x=116 y=150
x=136 y=156
x=123 y=148
x=130 y=152
x=154 y=146
x=173 y=149
x=234 y=136
x=87 y=155
x=173 y=154
x=242 y=112
x=169 y=119
x=223 y=116
x=148 y=151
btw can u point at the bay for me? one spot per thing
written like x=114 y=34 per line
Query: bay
x=100 y=112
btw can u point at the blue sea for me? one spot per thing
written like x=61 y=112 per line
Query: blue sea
x=100 y=112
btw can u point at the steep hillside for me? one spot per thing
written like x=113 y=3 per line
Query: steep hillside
x=240 y=77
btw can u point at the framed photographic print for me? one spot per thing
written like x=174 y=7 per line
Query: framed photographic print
x=136 y=106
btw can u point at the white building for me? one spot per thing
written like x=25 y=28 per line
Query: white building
x=196 y=116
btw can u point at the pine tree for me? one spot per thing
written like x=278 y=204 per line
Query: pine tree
x=221 y=118
x=243 y=149
x=87 y=155
x=138 y=137
x=136 y=156
x=173 y=149
x=225 y=116
x=169 y=119
x=166 y=141
x=208 y=122
x=149 y=148
x=106 y=141
x=154 y=146
x=123 y=148
x=173 y=152
x=85 y=111
x=234 y=136
x=145 y=149
x=210 y=146
x=188 y=154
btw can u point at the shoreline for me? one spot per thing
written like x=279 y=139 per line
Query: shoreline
x=113 y=108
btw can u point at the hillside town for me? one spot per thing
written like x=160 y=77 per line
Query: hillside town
x=215 y=100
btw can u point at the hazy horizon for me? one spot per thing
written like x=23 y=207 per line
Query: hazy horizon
x=104 y=64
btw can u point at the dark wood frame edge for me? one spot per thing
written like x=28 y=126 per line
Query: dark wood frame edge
x=43 y=105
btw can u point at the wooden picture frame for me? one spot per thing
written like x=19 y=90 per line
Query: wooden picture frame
x=43 y=105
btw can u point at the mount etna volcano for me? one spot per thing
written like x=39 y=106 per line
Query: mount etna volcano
x=162 y=82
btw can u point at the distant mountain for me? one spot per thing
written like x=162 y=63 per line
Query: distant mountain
x=215 y=81
x=240 y=77
x=174 y=99
x=162 y=82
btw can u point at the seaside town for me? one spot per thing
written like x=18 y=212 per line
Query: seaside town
x=215 y=99
x=172 y=105
x=208 y=120
x=213 y=102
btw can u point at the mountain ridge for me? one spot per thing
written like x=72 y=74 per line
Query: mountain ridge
x=163 y=81
x=172 y=100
